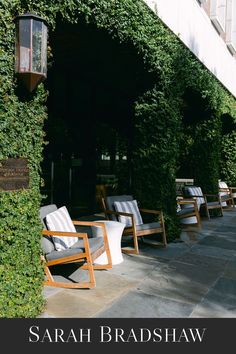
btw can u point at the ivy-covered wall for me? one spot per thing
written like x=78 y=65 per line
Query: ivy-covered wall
x=228 y=159
x=157 y=131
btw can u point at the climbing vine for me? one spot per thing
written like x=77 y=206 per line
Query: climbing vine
x=158 y=128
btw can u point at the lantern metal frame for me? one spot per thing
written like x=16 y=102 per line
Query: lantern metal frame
x=34 y=54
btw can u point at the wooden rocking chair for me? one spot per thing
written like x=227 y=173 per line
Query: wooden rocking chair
x=132 y=228
x=84 y=251
x=203 y=202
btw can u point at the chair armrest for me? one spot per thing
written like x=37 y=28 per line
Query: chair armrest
x=64 y=233
x=117 y=213
x=217 y=197
x=186 y=201
x=84 y=236
x=151 y=211
x=93 y=223
x=211 y=195
x=155 y=212
x=194 y=196
x=86 y=223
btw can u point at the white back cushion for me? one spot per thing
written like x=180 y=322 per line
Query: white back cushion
x=225 y=186
x=130 y=207
x=196 y=191
x=60 y=220
x=225 y=192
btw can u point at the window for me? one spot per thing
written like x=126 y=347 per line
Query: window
x=218 y=14
x=231 y=26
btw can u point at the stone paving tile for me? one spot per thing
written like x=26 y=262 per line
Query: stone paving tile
x=136 y=267
x=226 y=228
x=217 y=265
x=220 y=300
x=200 y=273
x=70 y=305
x=175 y=289
x=228 y=236
x=86 y=302
x=226 y=225
x=214 y=305
x=226 y=287
x=172 y=250
x=216 y=241
x=213 y=251
x=180 y=281
x=136 y=304
x=45 y=315
x=211 y=224
x=230 y=269
x=191 y=236
x=49 y=291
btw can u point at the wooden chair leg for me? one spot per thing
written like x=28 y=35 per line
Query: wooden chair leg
x=164 y=238
x=107 y=248
x=197 y=214
x=198 y=218
x=136 y=248
x=207 y=212
x=89 y=262
x=232 y=202
x=221 y=210
x=48 y=275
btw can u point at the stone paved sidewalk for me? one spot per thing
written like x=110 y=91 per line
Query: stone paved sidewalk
x=195 y=277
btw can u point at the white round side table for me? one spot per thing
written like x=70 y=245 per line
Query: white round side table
x=114 y=234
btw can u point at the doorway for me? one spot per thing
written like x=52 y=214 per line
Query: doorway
x=93 y=83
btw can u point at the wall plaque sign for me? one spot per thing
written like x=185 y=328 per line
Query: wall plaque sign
x=14 y=174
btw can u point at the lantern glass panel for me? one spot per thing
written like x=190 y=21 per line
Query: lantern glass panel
x=36 y=46
x=44 y=49
x=24 y=46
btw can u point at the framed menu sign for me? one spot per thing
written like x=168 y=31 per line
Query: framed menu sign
x=14 y=174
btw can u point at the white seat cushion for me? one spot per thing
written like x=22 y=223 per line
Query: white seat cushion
x=130 y=207
x=60 y=220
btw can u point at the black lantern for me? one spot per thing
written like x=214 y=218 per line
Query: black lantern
x=31 y=50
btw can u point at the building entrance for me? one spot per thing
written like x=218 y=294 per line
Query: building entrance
x=93 y=82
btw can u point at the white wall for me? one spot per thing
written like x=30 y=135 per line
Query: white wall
x=190 y=22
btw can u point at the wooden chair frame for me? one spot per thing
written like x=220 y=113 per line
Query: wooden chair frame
x=86 y=257
x=132 y=230
x=206 y=206
x=228 y=198
x=191 y=213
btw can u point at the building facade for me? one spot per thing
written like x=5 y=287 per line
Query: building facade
x=136 y=79
x=208 y=29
